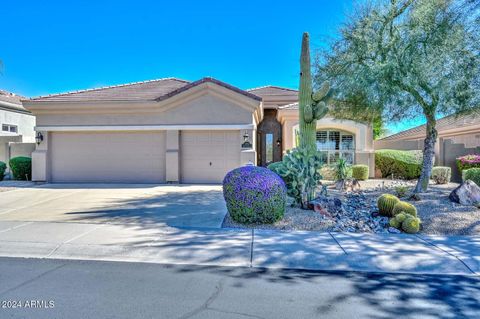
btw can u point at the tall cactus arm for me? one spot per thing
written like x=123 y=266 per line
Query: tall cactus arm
x=321 y=110
x=322 y=93
x=308 y=113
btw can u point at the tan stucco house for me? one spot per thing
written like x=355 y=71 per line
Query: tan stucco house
x=171 y=130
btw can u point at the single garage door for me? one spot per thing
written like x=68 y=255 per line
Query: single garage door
x=206 y=156
x=123 y=157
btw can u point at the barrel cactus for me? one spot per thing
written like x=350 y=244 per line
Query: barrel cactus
x=385 y=204
x=312 y=106
x=395 y=223
x=254 y=195
x=405 y=207
x=400 y=217
x=411 y=225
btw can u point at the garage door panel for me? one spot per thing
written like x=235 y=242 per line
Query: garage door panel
x=206 y=156
x=133 y=157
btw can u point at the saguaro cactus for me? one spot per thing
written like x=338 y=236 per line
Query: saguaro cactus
x=312 y=106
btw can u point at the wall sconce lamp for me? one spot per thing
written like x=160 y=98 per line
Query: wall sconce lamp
x=39 y=138
x=246 y=143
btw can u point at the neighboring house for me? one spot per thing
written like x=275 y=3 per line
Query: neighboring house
x=17 y=135
x=15 y=120
x=457 y=136
x=171 y=130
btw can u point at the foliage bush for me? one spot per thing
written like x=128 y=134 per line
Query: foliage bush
x=468 y=161
x=300 y=171
x=360 y=172
x=3 y=168
x=441 y=174
x=401 y=191
x=400 y=164
x=328 y=172
x=342 y=170
x=404 y=207
x=472 y=174
x=385 y=204
x=254 y=195
x=21 y=167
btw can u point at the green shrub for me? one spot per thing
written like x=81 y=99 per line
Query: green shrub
x=360 y=172
x=275 y=166
x=21 y=167
x=3 y=168
x=404 y=207
x=401 y=191
x=342 y=170
x=327 y=172
x=385 y=204
x=400 y=164
x=441 y=174
x=472 y=174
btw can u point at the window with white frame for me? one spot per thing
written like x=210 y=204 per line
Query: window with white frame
x=335 y=144
x=9 y=128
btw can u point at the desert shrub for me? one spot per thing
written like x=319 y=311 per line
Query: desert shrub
x=300 y=172
x=21 y=167
x=3 y=168
x=400 y=164
x=360 y=172
x=254 y=195
x=401 y=191
x=342 y=170
x=275 y=166
x=385 y=204
x=328 y=172
x=441 y=174
x=472 y=174
x=404 y=207
x=468 y=161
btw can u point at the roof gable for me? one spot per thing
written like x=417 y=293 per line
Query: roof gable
x=273 y=90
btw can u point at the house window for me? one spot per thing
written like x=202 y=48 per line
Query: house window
x=336 y=144
x=9 y=128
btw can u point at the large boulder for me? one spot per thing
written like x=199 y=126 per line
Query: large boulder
x=468 y=193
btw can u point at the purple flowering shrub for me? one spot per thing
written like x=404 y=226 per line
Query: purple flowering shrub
x=254 y=195
x=468 y=161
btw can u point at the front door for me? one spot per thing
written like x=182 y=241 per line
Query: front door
x=269 y=139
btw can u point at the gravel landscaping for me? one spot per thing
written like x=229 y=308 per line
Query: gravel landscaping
x=438 y=214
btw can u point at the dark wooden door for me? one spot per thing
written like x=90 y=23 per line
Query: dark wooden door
x=269 y=139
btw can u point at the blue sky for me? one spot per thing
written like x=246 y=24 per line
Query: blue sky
x=57 y=46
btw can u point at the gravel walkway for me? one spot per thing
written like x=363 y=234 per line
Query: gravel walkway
x=439 y=216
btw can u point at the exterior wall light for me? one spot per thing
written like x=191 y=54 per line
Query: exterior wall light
x=246 y=143
x=39 y=138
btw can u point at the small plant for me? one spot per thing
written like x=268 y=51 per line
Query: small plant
x=404 y=207
x=254 y=195
x=328 y=172
x=21 y=167
x=401 y=191
x=441 y=174
x=300 y=171
x=3 y=168
x=360 y=172
x=342 y=170
x=472 y=174
x=385 y=204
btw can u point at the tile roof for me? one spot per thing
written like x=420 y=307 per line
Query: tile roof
x=12 y=101
x=292 y=106
x=145 y=90
x=273 y=90
x=154 y=90
x=446 y=123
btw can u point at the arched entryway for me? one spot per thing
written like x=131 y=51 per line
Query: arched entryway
x=269 y=139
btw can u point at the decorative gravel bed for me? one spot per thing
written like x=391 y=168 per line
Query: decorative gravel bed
x=438 y=214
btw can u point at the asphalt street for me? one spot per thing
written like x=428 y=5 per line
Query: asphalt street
x=50 y=288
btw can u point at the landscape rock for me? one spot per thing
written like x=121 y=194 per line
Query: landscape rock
x=468 y=193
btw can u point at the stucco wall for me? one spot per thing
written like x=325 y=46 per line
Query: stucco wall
x=24 y=122
x=207 y=109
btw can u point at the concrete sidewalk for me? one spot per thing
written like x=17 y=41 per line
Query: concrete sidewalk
x=245 y=248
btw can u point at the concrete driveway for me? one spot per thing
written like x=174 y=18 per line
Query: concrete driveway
x=173 y=205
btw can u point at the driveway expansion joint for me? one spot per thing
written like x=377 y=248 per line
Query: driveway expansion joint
x=338 y=243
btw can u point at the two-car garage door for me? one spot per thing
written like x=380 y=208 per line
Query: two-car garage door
x=106 y=157
x=139 y=157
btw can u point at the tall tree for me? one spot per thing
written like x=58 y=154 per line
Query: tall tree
x=404 y=58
